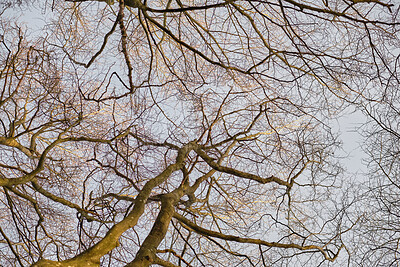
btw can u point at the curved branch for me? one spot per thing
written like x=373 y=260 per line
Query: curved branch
x=206 y=232
x=238 y=173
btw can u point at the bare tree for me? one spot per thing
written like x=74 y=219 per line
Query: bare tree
x=378 y=234
x=181 y=133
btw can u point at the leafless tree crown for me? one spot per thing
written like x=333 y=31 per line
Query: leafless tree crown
x=193 y=133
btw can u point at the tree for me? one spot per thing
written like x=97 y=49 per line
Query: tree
x=181 y=133
x=378 y=234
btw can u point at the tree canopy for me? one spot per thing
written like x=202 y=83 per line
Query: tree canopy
x=197 y=133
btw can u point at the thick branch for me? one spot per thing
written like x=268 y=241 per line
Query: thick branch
x=206 y=232
x=147 y=252
x=91 y=257
x=238 y=173
x=30 y=176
